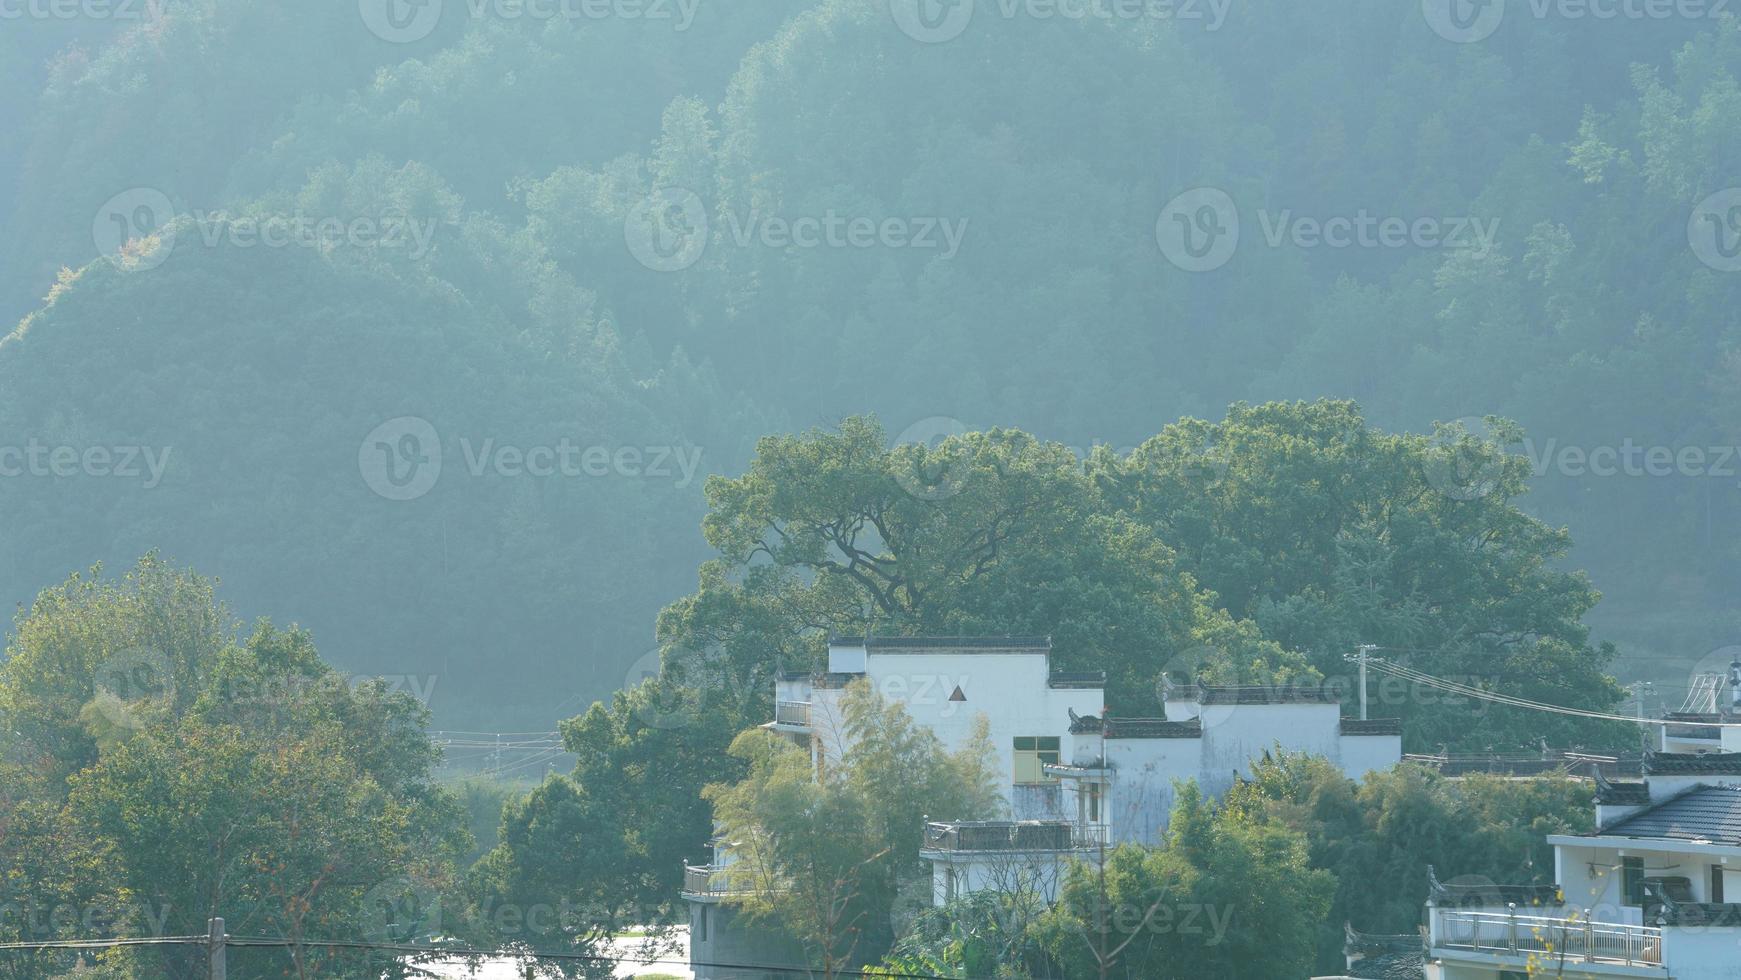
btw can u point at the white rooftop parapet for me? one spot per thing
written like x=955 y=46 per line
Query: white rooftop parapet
x=1182 y=701
x=847 y=658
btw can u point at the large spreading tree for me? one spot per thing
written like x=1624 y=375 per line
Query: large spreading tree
x=164 y=768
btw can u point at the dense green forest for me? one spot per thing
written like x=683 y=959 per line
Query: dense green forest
x=162 y=762
x=381 y=378
x=1028 y=164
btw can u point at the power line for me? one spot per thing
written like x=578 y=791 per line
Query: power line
x=1454 y=687
x=413 y=949
x=77 y=944
x=549 y=756
x=507 y=734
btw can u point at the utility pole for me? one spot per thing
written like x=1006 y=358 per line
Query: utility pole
x=1362 y=655
x=1638 y=689
x=215 y=948
x=1101 y=959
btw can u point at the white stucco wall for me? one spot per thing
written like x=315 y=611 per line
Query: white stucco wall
x=1144 y=770
x=1042 y=873
x=1011 y=690
x=1142 y=793
x=1236 y=735
x=1362 y=754
x=797 y=689
x=1664 y=786
x=1595 y=889
x=1731 y=740
x=1697 y=953
x=1589 y=874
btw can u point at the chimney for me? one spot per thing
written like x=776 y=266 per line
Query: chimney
x=1735 y=687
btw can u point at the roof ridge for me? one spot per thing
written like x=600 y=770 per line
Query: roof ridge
x=1036 y=641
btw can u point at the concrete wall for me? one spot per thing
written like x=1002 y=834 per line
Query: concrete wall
x=1234 y=738
x=1362 y=754
x=1142 y=793
x=1664 y=787
x=1236 y=735
x=1698 y=953
x=1597 y=888
x=792 y=690
x=1010 y=874
x=741 y=946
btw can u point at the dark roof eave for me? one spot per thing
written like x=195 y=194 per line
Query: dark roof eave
x=896 y=644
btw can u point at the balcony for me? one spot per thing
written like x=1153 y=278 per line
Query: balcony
x=994 y=836
x=1508 y=935
x=705 y=884
x=792 y=715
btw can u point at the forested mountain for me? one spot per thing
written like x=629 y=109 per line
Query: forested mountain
x=1030 y=167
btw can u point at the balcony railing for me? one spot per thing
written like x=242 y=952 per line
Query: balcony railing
x=699 y=881
x=1579 y=940
x=706 y=881
x=1007 y=835
x=794 y=713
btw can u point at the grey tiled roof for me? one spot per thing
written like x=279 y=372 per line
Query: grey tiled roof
x=1373 y=726
x=1137 y=727
x=1154 y=728
x=1620 y=794
x=1710 y=814
x=1083 y=679
x=1268 y=694
x=1692 y=764
x=1391 y=966
x=895 y=644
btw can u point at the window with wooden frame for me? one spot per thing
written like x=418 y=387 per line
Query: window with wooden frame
x=1032 y=753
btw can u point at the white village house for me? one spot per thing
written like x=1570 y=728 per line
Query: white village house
x=1646 y=894
x=1072 y=778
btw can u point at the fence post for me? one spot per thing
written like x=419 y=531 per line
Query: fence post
x=1589 y=936
x=1511 y=931
x=215 y=947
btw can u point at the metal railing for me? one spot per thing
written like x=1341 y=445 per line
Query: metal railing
x=1007 y=835
x=697 y=881
x=795 y=713
x=1578 y=939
